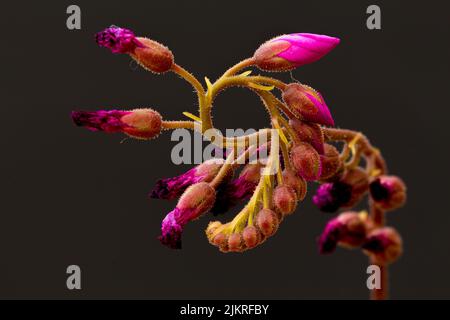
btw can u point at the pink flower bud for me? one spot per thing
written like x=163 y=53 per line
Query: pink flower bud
x=385 y=245
x=331 y=162
x=348 y=230
x=172 y=188
x=358 y=179
x=309 y=132
x=235 y=242
x=251 y=236
x=196 y=200
x=287 y=52
x=267 y=222
x=306 y=161
x=291 y=179
x=284 y=199
x=307 y=104
x=388 y=192
x=137 y=123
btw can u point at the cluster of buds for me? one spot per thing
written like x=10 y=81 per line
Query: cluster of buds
x=303 y=149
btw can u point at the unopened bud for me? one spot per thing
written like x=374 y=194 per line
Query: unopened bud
x=358 y=180
x=251 y=236
x=235 y=243
x=385 y=245
x=289 y=51
x=267 y=222
x=198 y=198
x=291 y=179
x=153 y=56
x=284 y=199
x=307 y=104
x=331 y=162
x=388 y=192
x=306 y=161
x=308 y=132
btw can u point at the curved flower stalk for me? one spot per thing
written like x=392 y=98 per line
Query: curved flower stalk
x=301 y=145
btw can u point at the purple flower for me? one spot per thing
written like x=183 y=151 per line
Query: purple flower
x=172 y=188
x=118 y=40
x=385 y=245
x=330 y=197
x=389 y=192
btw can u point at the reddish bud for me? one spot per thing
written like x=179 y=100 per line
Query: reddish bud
x=142 y=123
x=388 y=192
x=331 y=162
x=307 y=104
x=153 y=56
x=251 y=236
x=348 y=230
x=358 y=180
x=291 y=179
x=309 y=132
x=267 y=222
x=284 y=199
x=235 y=242
x=199 y=198
x=306 y=161
x=385 y=245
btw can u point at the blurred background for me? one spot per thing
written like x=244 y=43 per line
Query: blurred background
x=71 y=196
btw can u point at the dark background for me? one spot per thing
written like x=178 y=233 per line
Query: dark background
x=70 y=196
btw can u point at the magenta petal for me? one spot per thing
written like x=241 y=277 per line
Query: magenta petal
x=323 y=116
x=307 y=47
x=171 y=231
x=108 y=121
x=172 y=188
x=118 y=40
x=329 y=238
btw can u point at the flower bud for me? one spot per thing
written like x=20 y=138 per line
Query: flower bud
x=172 y=188
x=251 y=236
x=137 y=123
x=196 y=200
x=153 y=56
x=358 y=179
x=306 y=161
x=348 y=230
x=289 y=51
x=331 y=162
x=388 y=192
x=291 y=179
x=307 y=104
x=309 y=132
x=212 y=227
x=284 y=199
x=384 y=244
x=148 y=53
x=235 y=243
x=267 y=222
